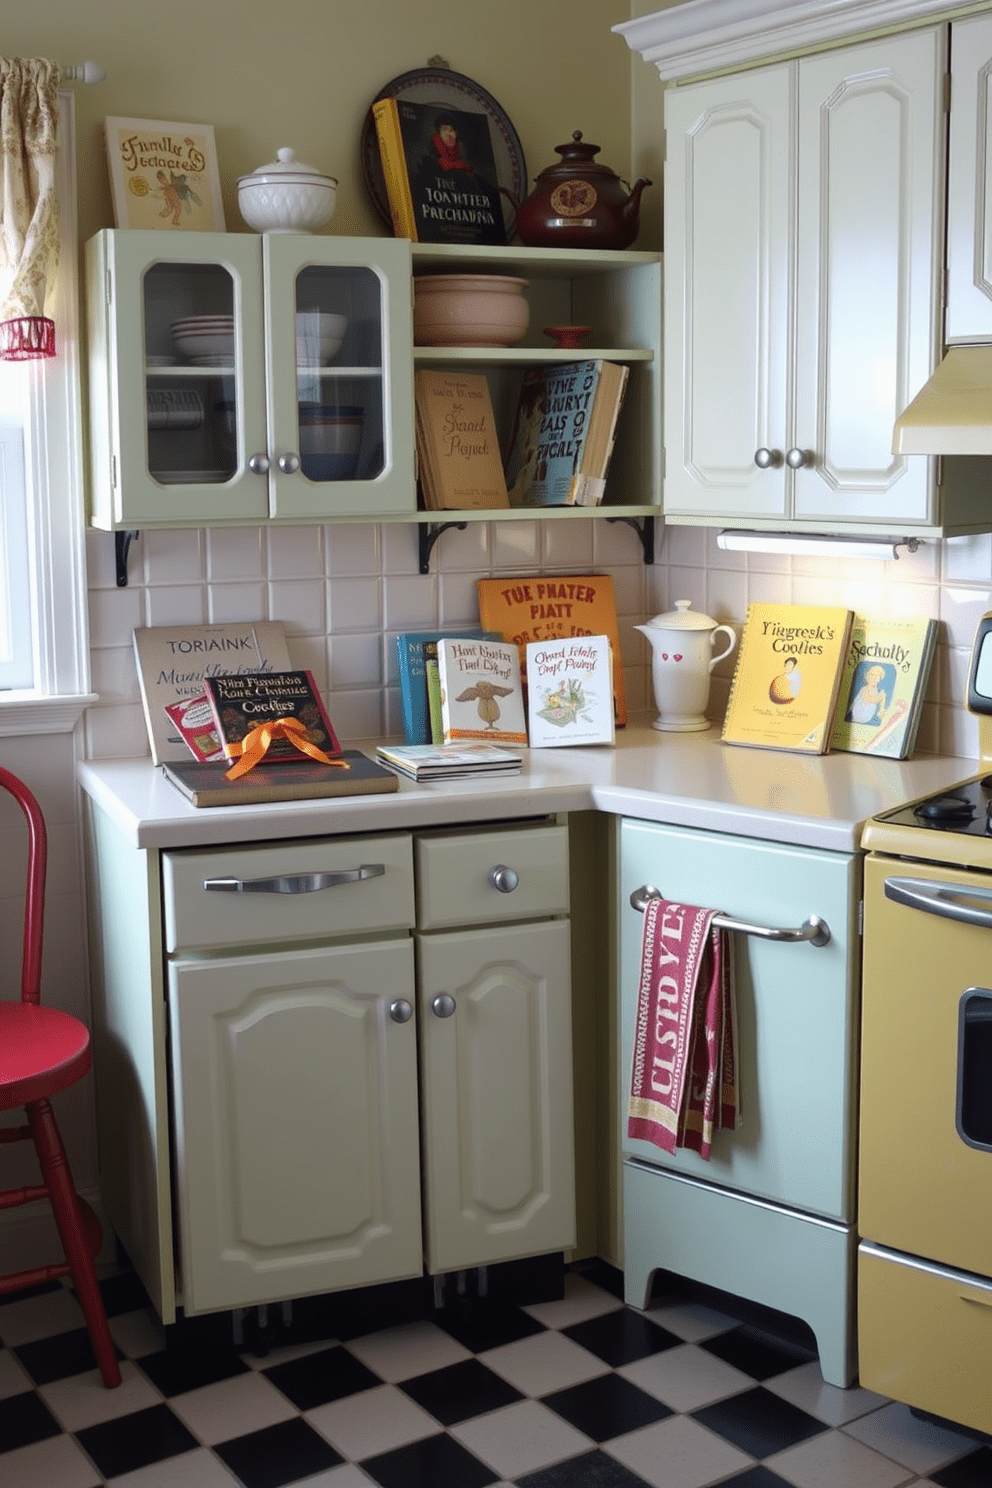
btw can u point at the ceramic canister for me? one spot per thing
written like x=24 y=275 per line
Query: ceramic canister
x=681 y=662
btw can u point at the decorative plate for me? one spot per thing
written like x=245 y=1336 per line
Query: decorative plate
x=452 y=90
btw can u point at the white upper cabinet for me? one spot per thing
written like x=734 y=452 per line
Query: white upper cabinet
x=969 y=184
x=803 y=232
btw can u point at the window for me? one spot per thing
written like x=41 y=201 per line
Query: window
x=44 y=647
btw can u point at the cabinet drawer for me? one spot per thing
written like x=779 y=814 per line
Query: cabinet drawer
x=288 y=891
x=925 y=1335
x=457 y=883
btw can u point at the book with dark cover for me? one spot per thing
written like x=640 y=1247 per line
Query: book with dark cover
x=243 y=703
x=413 y=649
x=440 y=173
x=564 y=432
x=205 y=783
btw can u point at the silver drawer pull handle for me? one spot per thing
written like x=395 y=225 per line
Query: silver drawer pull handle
x=293 y=883
x=401 y=1011
x=503 y=878
x=815 y=930
x=443 y=1005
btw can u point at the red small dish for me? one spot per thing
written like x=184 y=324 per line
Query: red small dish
x=567 y=338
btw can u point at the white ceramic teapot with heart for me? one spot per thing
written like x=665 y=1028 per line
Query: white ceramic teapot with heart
x=682 y=659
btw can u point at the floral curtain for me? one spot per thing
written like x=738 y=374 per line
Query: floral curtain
x=29 y=230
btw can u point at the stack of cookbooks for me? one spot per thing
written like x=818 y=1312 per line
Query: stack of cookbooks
x=449 y=761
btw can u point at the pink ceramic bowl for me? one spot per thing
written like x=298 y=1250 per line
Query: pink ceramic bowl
x=469 y=310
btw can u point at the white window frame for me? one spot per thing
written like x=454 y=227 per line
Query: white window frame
x=55 y=497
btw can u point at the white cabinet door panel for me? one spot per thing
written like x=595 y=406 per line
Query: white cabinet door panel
x=496 y=1094
x=969 y=183
x=868 y=245
x=728 y=195
x=295 y=1110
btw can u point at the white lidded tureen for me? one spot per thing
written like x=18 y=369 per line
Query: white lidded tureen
x=681 y=662
x=286 y=195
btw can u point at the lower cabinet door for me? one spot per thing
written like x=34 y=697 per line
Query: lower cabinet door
x=496 y=1094
x=295 y=1110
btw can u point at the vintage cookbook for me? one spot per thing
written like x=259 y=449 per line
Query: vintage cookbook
x=563 y=433
x=205 y=783
x=481 y=691
x=883 y=685
x=173 y=660
x=554 y=607
x=440 y=173
x=241 y=703
x=450 y=761
x=570 y=692
x=164 y=175
x=787 y=677
x=413 y=650
x=460 y=462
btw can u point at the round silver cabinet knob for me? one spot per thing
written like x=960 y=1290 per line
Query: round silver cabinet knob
x=766 y=459
x=288 y=463
x=503 y=878
x=797 y=458
x=443 y=1005
x=401 y=1011
x=259 y=464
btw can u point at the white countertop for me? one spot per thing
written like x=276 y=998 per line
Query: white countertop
x=691 y=780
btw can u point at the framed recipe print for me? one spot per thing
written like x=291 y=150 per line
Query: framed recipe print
x=164 y=175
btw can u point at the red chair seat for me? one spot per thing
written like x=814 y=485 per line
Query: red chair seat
x=42 y=1050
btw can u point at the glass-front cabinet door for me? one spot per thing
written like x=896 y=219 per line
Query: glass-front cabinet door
x=339 y=329
x=237 y=378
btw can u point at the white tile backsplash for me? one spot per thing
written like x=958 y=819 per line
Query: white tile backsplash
x=344 y=591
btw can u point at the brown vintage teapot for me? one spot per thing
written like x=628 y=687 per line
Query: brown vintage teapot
x=580 y=203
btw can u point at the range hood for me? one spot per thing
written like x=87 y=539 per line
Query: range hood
x=952 y=413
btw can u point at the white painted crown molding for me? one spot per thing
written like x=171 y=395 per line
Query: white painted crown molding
x=702 y=36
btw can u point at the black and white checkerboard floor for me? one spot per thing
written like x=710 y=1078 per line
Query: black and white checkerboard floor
x=582 y=1392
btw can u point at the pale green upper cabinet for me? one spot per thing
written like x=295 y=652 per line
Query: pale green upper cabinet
x=246 y=425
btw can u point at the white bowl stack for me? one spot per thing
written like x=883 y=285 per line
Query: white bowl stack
x=205 y=340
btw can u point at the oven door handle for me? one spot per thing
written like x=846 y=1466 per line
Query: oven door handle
x=948 y=901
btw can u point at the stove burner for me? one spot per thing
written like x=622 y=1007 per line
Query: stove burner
x=944 y=809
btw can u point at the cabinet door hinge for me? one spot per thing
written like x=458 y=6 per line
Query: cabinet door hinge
x=109 y=287
x=113 y=471
x=861 y=917
x=947 y=92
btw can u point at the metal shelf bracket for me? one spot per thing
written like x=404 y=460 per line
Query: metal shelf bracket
x=122 y=546
x=644 y=527
x=429 y=534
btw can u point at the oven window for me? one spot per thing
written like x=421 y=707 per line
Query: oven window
x=974 y=1102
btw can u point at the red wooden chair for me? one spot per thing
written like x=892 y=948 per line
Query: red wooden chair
x=43 y=1051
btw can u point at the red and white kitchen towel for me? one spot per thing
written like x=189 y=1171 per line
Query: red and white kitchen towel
x=684 y=1070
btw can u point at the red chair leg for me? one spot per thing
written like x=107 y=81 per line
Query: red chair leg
x=65 y=1206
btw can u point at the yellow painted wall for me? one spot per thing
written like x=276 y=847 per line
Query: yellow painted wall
x=268 y=73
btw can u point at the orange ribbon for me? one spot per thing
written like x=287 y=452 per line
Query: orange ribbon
x=255 y=744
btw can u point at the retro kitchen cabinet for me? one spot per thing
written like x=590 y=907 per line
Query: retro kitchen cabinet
x=803 y=270
x=328 y=1062
x=178 y=441
x=968 y=315
x=183 y=441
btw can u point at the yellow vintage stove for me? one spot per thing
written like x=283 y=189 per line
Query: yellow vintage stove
x=925 y=1183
